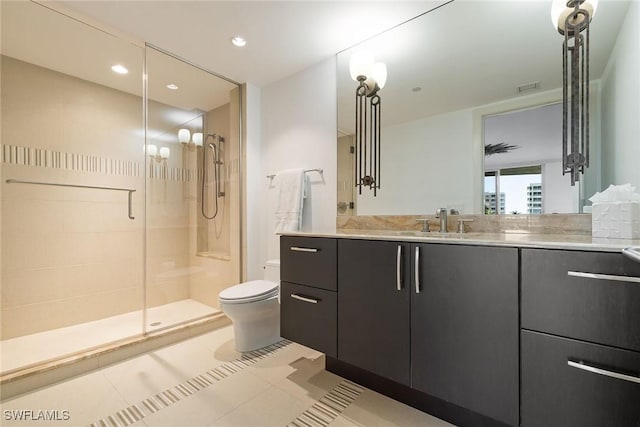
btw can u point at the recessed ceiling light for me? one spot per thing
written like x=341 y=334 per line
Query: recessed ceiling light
x=416 y=89
x=172 y=86
x=238 y=41
x=119 y=69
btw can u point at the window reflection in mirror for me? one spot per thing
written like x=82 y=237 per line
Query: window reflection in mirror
x=520 y=191
x=523 y=163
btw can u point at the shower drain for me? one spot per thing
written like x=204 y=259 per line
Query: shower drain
x=155 y=324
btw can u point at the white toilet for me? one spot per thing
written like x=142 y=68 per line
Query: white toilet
x=254 y=309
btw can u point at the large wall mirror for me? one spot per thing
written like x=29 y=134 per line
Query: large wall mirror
x=472 y=76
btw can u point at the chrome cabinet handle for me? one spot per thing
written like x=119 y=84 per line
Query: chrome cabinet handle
x=305 y=299
x=599 y=371
x=417 y=269
x=598 y=276
x=399 y=268
x=298 y=249
x=632 y=253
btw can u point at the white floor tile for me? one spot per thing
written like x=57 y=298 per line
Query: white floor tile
x=208 y=405
x=271 y=408
x=373 y=409
x=86 y=398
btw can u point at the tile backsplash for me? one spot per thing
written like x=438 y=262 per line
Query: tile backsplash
x=573 y=224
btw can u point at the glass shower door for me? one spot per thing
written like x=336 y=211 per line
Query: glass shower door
x=72 y=187
x=193 y=202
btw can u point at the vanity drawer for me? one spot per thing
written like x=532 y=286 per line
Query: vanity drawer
x=309 y=316
x=560 y=388
x=592 y=296
x=310 y=261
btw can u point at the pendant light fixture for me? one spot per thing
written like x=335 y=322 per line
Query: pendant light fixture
x=371 y=77
x=571 y=19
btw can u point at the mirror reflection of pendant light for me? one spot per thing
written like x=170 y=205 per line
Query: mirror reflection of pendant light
x=184 y=136
x=572 y=18
x=197 y=138
x=371 y=77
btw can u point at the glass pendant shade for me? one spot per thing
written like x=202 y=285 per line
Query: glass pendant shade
x=560 y=11
x=164 y=152
x=360 y=64
x=379 y=74
x=152 y=150
x=197 y=138
x=184 y=136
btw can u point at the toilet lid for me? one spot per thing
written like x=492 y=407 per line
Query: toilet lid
x=249 y=291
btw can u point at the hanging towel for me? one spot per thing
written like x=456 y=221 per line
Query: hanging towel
x=290 y=189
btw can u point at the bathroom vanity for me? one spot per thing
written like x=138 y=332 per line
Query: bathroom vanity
x=475 y=329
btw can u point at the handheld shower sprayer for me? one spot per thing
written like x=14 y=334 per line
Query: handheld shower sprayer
x=217 y=164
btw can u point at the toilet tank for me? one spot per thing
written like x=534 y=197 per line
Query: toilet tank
x=272 y=270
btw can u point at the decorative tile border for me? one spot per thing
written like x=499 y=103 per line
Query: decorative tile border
x=168 y=397
x=164 y=173
x=43 y=158
x=327 y=409
x=40 y=157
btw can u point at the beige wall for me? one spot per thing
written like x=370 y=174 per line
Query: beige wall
x=73 y=255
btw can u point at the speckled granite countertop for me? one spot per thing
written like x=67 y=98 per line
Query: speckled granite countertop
x=520 y=240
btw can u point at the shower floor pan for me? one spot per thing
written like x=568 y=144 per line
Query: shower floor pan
x=34 y=349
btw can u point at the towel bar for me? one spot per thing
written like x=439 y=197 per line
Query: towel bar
x=319 y=170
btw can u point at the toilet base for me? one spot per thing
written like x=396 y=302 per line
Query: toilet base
x=257 y=334
x=256 y=324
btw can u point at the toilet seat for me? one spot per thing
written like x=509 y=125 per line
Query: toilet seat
x=255 y=290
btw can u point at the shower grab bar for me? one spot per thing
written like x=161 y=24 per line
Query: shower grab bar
x=94 y=187
x=319 y=170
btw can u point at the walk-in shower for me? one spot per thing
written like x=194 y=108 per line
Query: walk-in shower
x=101 y=202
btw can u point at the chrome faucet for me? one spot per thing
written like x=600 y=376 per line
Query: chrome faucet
x=442 y=214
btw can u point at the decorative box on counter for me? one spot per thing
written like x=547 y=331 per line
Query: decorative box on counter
x=616 y=213
x=617 y=220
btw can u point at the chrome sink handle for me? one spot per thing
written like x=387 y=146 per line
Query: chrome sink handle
x=632 y=253
x=425 y=224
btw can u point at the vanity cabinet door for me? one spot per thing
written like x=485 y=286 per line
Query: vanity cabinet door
x=373 y=307
x=464 y=327
x=567 y=382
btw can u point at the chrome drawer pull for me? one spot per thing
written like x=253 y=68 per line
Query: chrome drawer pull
x=417 y=270
x=603 y=276
x=305 y=299
x=399 y=268
x=631 y=253
x=297 y=249
x=603 y=372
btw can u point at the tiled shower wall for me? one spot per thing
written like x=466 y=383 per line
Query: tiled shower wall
x=71 y=255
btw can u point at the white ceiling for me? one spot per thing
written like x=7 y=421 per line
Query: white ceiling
x=284 y=37
x=471 y=53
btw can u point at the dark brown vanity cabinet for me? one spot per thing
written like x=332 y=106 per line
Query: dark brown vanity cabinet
x=441 y=319
x=308 y=297
x=464 y=327
x=580 y=339
x=373 y=309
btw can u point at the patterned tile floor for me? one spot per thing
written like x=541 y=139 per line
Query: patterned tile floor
x=204 y=382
